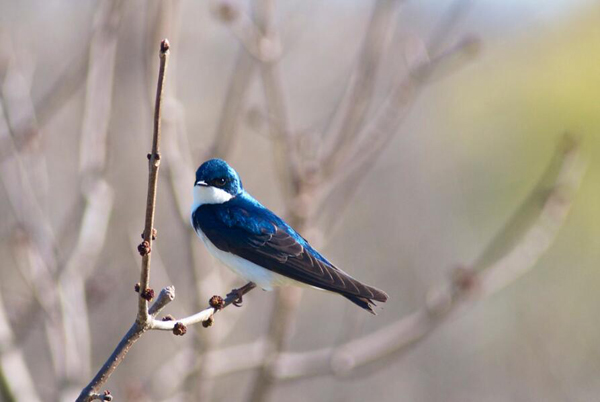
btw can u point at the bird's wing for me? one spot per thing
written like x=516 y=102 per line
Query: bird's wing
x=259 y=236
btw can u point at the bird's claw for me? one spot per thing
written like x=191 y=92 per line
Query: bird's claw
x=238 y=297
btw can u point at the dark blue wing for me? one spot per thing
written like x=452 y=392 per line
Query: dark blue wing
x=245 y=228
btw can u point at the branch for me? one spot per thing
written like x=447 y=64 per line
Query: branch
x=16 y=383
x=383 y=21
x=466 y=289
x=153 y=165
x=144 y=317
x=205 y=316
x=97 y=195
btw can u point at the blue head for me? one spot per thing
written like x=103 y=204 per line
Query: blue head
x=216 y=183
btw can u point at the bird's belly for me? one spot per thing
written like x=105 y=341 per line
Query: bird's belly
x=263 y=278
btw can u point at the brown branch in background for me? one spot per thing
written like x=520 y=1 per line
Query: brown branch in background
x=23 y=177
x=383 y=22
x=287 y=165
x=16 y=383
x=301 y=190
x=231 y=111
x=378 y=133
x=97 y=197
x=466 y=287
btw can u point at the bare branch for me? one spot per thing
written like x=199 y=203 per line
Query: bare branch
x=381 y=130
x=383 y=22
x=466 y=288
x=153 y=165
x=144 y=317
x=202 y=316
x=97 y=195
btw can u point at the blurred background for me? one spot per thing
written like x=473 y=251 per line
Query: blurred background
x=404 y=139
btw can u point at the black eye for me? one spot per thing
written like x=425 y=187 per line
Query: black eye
x=219 y=182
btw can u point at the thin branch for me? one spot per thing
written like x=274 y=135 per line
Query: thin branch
x=153 y=165
x=466 y=288
x=286 y=159
x=383 y=21
x=202 y=316
x=287 y=166
x=381 y=130
x=144 y=317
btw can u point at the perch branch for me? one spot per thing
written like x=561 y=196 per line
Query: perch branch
x=141 y=324
x=202 y=316
x=153 y=165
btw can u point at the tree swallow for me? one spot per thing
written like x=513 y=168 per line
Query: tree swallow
x=258 y=245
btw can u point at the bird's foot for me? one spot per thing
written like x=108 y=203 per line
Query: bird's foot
x=240 y=292
x=238 y=297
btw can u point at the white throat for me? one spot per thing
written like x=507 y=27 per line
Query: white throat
x=209 y=195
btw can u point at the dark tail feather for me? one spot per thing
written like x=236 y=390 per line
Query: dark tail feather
x=363 y=302
x=366 y=302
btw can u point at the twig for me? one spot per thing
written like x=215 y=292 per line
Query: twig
x=153 y=165
x=143 y=319
x=202 y=316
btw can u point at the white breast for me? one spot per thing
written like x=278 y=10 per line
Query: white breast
x=263 y=278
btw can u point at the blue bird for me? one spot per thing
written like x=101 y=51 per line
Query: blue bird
x=258 y=245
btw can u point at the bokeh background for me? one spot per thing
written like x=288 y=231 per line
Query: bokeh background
x=477 y=131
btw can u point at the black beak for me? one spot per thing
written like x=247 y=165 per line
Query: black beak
x=201 y=183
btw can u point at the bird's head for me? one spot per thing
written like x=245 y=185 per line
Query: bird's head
x=216 y=183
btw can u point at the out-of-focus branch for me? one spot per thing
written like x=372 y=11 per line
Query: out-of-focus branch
x=375 y=136
x=287 y=166
x=286 y=159
x=549 y=202
x=246 y=31
x=97 y=194
x=299 y=187
x=466 y=288
x=383 y=22
x=23 y=176
x=17 y=384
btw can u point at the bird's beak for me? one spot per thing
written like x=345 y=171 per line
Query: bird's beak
x=201 y=183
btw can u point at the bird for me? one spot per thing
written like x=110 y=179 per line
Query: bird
x=258 y=245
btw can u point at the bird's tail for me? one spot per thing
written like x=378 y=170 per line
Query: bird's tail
x=367 y=303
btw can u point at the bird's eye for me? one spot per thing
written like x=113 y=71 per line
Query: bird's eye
x=219 y=182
